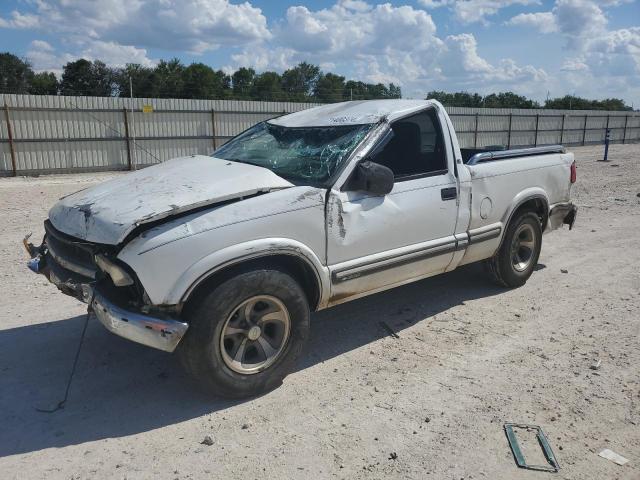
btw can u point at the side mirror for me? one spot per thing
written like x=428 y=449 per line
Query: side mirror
x=371 y=177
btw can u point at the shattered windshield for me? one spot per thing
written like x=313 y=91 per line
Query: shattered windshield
x=302 y=155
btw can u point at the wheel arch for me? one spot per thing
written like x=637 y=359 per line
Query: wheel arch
x=301 y=270
x=532 y=201
x=286 y=255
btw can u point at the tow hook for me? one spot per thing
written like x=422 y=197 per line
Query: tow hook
x=35 y=258
x=29 y=247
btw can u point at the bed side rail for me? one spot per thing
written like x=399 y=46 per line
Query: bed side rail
x=518 y=152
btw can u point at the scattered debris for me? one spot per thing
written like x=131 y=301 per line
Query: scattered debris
x=389 y=330
x=542 y=440
x=393 y=456
x=427 y=420
x=596 y=365
x=564 y=270
x=245 y=426
x=613 y=456
x=208 y=440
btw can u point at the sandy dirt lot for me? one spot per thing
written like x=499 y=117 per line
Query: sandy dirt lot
x=361 y=404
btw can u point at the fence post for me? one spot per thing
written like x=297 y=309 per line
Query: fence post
x=475 y=133
x=213 y=127
x=562 y=129
x=535 y=142
x=584 y=129
x=509 y=134
x=10 y=137
x=624 y=132
x=128 y=139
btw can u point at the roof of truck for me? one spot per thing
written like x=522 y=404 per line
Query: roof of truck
x=357 y=112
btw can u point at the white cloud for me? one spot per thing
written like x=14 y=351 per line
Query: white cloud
x=604 y=62
x=191 y=25
x=617 y=53
x=574 y=65
x=342 y=30
x=265 y=58
x=435 y=3
x=383 y=43
x=41 y=45
x=42 y=56
x=114 y=54
x=545 y=22
x=470 y=11
x=19 y=20
x=462 y=62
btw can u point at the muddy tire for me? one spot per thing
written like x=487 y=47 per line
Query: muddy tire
x=513 y=263
x=245 y=335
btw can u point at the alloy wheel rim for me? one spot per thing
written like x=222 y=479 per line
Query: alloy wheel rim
x=523 y=247
x=255 y=334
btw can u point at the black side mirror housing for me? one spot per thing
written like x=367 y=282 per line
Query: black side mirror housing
x=372 y=178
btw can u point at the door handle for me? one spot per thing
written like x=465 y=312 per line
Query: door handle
x=449 y=193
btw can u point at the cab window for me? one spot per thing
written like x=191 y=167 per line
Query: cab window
x=416 y=148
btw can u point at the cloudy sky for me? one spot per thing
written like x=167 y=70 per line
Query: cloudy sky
x=585 y=47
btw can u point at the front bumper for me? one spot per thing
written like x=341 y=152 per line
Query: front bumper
x=161 y=333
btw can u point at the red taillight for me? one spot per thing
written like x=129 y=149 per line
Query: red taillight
x=573 y=172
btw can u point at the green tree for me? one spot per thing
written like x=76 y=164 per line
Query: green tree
x=83 y=77
x=201 y=81
x=167 y=79
x=457 y=99
x=141 y=81
x=15 y=74
x=395 y=91
x=299 y=82
x=267 y=86
x=242 y=80
x=330 y=88
x=355 y=90
x=43 y=83
x=571 y=102
x=508 y=100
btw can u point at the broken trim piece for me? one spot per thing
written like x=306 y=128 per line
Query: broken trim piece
x=542 y=440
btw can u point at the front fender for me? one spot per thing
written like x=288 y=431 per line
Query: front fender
x=232 y=255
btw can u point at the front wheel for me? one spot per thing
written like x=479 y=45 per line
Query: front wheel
x=513 y=263
x=245 y=335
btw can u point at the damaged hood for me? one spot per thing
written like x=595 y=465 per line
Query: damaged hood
x=108 y=212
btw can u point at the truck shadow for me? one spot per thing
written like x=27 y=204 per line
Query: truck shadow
x=122 y=388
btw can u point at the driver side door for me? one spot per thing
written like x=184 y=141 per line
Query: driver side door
x=377 y=242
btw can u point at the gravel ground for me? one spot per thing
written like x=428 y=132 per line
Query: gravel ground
x=361 y=404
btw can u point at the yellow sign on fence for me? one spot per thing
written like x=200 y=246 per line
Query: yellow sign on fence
x=147 y=108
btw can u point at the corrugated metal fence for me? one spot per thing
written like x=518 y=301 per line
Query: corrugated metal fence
x=47 y=134
x=512 y=127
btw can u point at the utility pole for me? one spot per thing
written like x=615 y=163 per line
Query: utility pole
x=133 y=127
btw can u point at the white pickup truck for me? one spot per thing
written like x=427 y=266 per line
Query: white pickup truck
x=222 y=258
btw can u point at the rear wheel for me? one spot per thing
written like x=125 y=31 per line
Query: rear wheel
x=245 y=335
x=513 y=263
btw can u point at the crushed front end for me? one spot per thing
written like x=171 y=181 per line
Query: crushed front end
x=92 y=273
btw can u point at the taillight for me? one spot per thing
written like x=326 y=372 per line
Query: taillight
x=573 y=172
